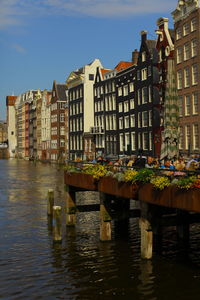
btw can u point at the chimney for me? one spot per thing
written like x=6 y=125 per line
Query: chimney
x=144 y=35
x=135 y=55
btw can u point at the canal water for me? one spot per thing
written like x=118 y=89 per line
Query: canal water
x=32 y=267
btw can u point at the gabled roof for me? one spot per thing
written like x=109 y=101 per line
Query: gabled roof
x=123 y=65
x=103 y=71
x=61 y=89
x=151 y=44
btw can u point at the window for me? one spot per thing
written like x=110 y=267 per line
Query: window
x=178 y=33
x=145 y=140
x=181 y=137
x=187 y=105
x=133 y=146
x=194 y=49
x=180 y=103
x=139 y=119
x=150 y=118
x=120 y=91
x=193 y=24
x=195 y=103
x=139 y=100
x=179 y=80
x=62 y=130
x=131 y=87
x=132 y=104
x=132 y=117
x=62 y=117
x=195 y=137
x=144 y=119
x=127 y=141
x=121 y=142
x=121 y=125
x=179 y=55
x=125 y=89
x=91 y=76
x=126 y=120
x=143 y=56
x=139 y=140
x=187 y=136
x=126 y=106
x=138 y=75
x=150 y=140
x=144 y=95
x=150 y=93
x=120 y=107
x=149 y=71
x=144 y=74
x=186 y=77
x=62 y=143
x=186 y=51
x=194 y=74
x=186 y=29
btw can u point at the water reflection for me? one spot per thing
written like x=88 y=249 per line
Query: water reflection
x=33 y=267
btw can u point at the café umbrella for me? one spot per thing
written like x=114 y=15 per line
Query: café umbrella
x=170 y=134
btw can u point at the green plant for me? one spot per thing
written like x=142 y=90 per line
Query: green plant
x=97 y=171
x=71 y=169
x=119 y=176
x=186 y=182
x=144 y=175
x=129 y=175
x=160 y=182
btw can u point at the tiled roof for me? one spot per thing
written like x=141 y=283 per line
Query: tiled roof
x=103 y=71
x=123 y=65
x=61 y=89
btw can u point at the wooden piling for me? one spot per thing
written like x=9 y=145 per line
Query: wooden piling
x=70 y=206
x=57 y=224
x=146 y=239
x=105 y=220
x=50 y=202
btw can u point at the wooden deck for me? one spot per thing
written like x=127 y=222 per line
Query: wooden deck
x=172 y=197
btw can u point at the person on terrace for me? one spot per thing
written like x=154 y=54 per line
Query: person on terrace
x=167 y=165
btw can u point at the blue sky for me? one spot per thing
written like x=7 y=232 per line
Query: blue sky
x=44 y=40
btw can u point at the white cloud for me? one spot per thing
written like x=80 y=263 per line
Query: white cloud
x=19 y=48
x=11 y=11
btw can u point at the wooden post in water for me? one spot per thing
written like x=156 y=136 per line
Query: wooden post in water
x=183 y=229
x=70 y=206
x=57 y=226
x=146 y=239
x=105 y=220
x=50 y=202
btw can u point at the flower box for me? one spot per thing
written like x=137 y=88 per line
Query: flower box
x=171 y=196
x=148 y=193
x=112 y=186
x=80 y=180
x=186 y=199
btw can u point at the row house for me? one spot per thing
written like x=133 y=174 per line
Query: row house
x=11 y=121
x=126 y=110
x=187 y=64
x=135 y=101
x=81 y=110
x=165 y=49
x=58 y=106
x=46 y=125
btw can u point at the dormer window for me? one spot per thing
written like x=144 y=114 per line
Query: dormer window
x=143 y=56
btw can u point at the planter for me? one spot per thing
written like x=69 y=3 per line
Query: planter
x=80 y=180
x=111 y=186
x=171 y=197
x=147 y=193
x=186 y=199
